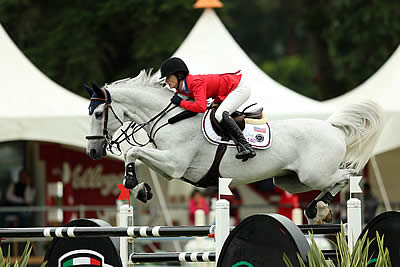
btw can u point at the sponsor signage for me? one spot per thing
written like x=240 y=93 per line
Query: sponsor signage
x=80 y=180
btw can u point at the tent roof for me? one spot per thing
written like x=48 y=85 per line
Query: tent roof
x=32 y=106
x=209 y=48
x=384 y=88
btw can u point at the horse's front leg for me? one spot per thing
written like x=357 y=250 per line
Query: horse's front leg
x=171 y=163
x=164 y=162
x=141 y=191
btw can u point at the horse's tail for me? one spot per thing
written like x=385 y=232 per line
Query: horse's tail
x=362 y=124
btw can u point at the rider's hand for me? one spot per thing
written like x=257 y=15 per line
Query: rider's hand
x=176 y=100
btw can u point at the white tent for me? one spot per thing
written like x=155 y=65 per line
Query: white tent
x=209 y=48
x=384 y=88
x=33 y=107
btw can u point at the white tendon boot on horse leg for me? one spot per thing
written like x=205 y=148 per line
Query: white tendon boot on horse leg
x=324 y=214
x=318 y=212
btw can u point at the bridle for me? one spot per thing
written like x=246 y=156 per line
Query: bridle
x=125 y=135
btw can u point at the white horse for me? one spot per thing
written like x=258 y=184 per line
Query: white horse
x=306 y=154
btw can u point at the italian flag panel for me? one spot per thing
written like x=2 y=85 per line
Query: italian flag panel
x=81 y=261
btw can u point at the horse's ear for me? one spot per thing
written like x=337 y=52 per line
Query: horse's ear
x=89 y=89
x=97 y=90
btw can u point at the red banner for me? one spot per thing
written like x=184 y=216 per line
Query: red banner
x=84 y=181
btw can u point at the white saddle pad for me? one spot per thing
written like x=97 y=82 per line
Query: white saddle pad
x=259 y=136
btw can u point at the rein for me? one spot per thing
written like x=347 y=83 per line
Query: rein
x=124 y=132
x=129 y=137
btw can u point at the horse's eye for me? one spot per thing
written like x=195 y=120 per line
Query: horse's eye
x=98 y=115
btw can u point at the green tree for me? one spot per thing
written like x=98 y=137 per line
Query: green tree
x=78 y=41
x=318 y=48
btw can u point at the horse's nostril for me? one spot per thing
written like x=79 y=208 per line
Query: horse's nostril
x=92 y=152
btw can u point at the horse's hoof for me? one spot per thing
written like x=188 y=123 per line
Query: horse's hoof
x=329 y=217
x=130 y=182
x=324 y=213
x=144 y=192
x=142 y=195
x=149 y=194
x=311 y=210
x=315 y=220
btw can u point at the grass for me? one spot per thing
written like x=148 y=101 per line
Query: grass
x=359 y=257
x=22 y=262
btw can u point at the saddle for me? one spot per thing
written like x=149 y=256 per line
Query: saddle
x=240 y=117
x=255 y=123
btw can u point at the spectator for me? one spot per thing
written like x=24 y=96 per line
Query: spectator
x=197 y=201
x=21 y=194
x=370 y=204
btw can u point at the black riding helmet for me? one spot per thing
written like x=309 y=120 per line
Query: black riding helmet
x=173 y=65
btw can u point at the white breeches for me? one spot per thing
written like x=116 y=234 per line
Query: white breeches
x=234 y=100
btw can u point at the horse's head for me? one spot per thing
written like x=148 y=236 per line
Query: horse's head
x=103 y=120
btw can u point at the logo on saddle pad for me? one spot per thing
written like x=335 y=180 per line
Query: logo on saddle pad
x=258 y=135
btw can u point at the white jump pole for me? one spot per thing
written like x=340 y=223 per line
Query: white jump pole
x=297 y=216
x=354 y=223
x=222 y=228
x=222 y=225
x=126 y=243
x=222 y=222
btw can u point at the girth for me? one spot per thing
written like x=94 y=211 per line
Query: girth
x=211 y=177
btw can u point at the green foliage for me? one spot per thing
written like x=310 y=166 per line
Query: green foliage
x=344 y=41
x=350 y=40
x=358 y=258
x=23 y=261
x=78 y=41
x=293 y=72
x=318 y=48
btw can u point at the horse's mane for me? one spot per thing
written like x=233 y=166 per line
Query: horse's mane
x=145 y=78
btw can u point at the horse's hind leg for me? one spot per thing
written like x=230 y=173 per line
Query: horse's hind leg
x=291 y=183
x=317 y=212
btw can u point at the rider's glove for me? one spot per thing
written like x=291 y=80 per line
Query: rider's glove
x=176 y=100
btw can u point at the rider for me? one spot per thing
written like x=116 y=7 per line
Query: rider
x=226 y=89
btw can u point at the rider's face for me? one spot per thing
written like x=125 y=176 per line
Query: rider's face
x=172 y=81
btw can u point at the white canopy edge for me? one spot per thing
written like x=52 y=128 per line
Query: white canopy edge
x=32 y=106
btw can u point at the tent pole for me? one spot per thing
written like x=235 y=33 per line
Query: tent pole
x=163 y=205
x=381 y=186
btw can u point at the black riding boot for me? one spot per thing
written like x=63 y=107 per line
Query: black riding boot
x=245 y=150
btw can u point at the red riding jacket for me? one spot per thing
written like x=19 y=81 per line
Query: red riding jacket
x=201 y=87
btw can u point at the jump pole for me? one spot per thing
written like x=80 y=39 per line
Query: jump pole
x=126 y=244
x=222 y=228
x=354 y=224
